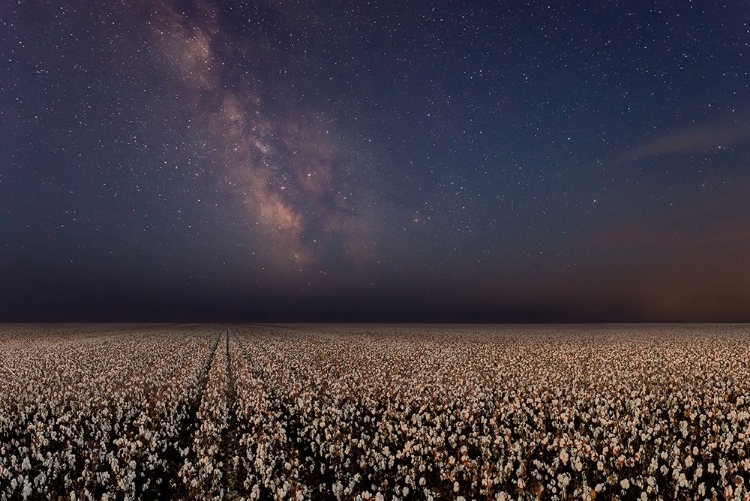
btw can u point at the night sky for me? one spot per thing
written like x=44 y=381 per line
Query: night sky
x=374 y=161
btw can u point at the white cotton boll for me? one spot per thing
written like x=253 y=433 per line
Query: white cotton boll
x=456 y=486
x=26 y=492
x=682 y=480
x=625 y=483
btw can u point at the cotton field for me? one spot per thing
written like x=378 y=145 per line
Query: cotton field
x=375 y=412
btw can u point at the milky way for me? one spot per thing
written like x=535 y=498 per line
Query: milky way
x=198 y=160
x=289 y=169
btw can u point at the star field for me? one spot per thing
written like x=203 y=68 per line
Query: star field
x=431 y=161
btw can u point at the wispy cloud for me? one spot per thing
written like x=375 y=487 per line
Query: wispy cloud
x=694 y=139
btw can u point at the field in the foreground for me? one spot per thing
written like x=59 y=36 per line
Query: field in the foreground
x=375 y=412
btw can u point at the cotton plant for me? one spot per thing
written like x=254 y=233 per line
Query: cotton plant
x=519 y=418
x=334 y=412
x=96 y=414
